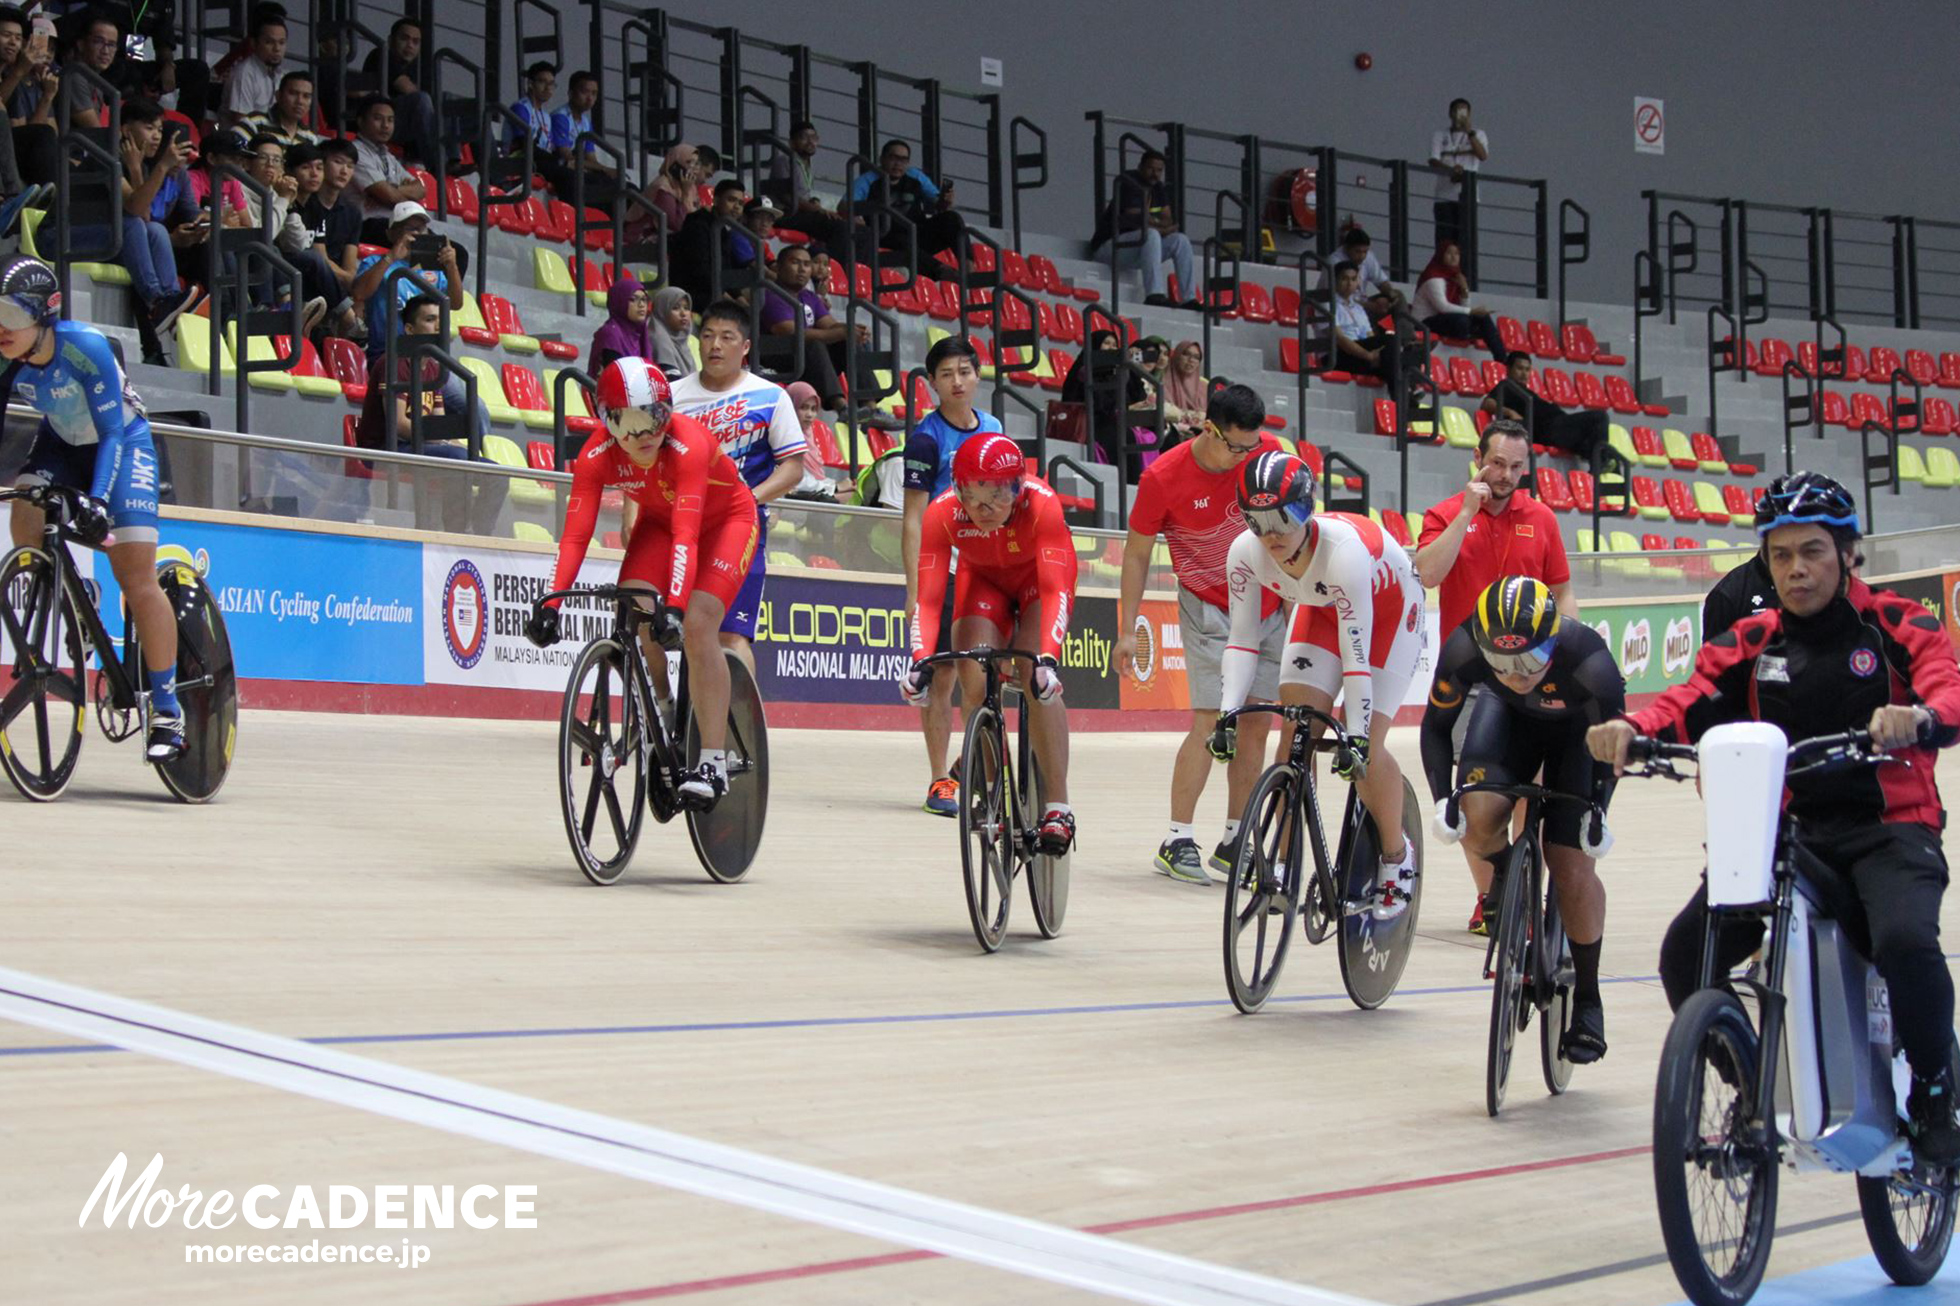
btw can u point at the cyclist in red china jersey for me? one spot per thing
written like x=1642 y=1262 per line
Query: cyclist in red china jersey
x=692 y=540
x=1015 y=588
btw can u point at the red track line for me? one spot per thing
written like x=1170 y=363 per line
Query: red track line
x=814 y=1269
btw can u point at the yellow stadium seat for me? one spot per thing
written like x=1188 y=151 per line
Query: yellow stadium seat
x=469 y=315
x=1709 y=499
x=531 y=532
x=1584 y=538
x=1618 y=437
x=1676 y=445
x=1942 y=468
x=1911 y=466
x=1459 y=428
x=1627 y=544
x=1414 y=519
x=523 y=490
x=259 y=350
x=194 y=346
x=548 y=272
x=490 y=393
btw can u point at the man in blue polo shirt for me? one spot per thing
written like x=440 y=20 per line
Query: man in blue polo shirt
x=952 y=366
x=567 y=125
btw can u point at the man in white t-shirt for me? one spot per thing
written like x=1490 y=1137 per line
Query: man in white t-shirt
x=1459 y=149
x=755 y=420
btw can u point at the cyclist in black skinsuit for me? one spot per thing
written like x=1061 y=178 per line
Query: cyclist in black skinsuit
x=1549 y=681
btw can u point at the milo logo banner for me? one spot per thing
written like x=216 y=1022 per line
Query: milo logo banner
x=1655 y=643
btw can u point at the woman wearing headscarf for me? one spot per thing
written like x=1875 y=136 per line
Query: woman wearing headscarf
x=1442 y=302
x=672 y=328
x=1185 y=399
x=625 y=332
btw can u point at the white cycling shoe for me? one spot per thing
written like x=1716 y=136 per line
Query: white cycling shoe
x=1397 y=886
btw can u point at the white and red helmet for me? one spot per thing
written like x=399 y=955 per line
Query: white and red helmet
x=633 y=382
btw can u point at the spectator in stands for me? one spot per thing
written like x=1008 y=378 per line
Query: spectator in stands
x=1186 y=396
x=540 y=84
x=98 y=44
x=816 y=483
x=379 y=176
x=29 y=147
x=1491 y=529
x=456 y=506
x=408 y=221
x=1513 y=398
x=1378 y=293
x=953 y=369
x=1456 y=150
x=1360 y=348
x=222 y=147
x=304 y=240
x=1443 y=302
x=267 y=166
x=154 y=191
x=691 y=252
x=289 y=119
x=627 y=330
x=1141 y=204
x=823 y=335
x=37 y=101
x=673 y=332
x=254 y=83
x=395 y=72
x=333 y=224
x=914 y=196
x=568 y=123
x=712 y=173
x=672 y=192
x=793 y=172
x=1111 y=398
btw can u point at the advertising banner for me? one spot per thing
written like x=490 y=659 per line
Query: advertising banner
x=1935 y=593
x=303 y=606
x=477 y=602
x=1654 y=642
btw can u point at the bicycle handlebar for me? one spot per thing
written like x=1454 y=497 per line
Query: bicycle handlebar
x=983 y=654
x=606 y=594
x=1805 y=755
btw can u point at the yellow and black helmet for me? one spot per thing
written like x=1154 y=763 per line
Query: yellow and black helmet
x=1516 y=625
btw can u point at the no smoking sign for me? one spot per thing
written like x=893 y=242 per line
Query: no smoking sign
x=1649 y=126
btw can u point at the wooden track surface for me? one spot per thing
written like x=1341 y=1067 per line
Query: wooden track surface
x=362 y=878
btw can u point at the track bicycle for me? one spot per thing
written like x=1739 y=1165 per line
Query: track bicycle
x=1528 y=959
x=1001 y=802
x=1814 y=1078
x=58 y=661
x=619 y=754
x=1266 y=883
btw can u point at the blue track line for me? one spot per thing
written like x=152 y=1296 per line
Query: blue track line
x=814 y=1022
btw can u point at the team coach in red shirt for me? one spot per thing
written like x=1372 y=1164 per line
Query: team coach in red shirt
x=1491 y=530
x=1191 y=497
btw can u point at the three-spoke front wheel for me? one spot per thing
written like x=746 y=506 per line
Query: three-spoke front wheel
x=601 y=760
x=1262 y=895
x=44 y=699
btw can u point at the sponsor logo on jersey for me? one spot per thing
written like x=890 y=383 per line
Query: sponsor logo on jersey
x=1770 y=668
x=465 y=613
x=1415 y=616
x=1474 y=776
x=1202 y=503
x=1678 y=646
x=1636 y=648
x=1863 y=662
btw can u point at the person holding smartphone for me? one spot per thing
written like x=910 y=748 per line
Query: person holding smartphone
x=409 y=221
x=1471 y=539
x=1458 y=149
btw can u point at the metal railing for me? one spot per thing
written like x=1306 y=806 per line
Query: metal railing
x=247 y=248
x=506 y=177
x=1574 y=247
x=1506 y=233
x=80 y=147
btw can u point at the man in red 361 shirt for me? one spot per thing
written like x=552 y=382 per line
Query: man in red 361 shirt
x=1190 y=497
x=691 y=543
x=1014 y=589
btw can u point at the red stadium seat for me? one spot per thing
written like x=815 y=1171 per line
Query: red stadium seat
x=1582 y=489
x=1289 y=353
x=1647 y=443
x=1709 y=451
x=1466 y=378
x=1921 y=367
x=1439 y=376
x=1771 y=355
x=1544 y=340
x=1949 y=378
x=1591 y=394
x=1680 y=500
x=1286 y=306
x=1938 y=417
x=1647 y=497
x=1396 y=526
x=1014 y=270
x=348 y=365
x=1059 y=362
x=523 y=390
x=1255 y=304
x=1835 y=411
x=1881 y=364
x=1558 y=386
x=1552 y=491
x=1868 y=408
x=1578 y=342
x=1738 y=500
x=355 y=468
x=1513 y=334
x=942 y=300
x=1494 y=373
x=1384 y=417
x=1068 y=319
x=1807 y=360
x=1855 y=364
x=462 y=200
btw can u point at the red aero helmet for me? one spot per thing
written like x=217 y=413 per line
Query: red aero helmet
x=988 y=458
x=632 y=382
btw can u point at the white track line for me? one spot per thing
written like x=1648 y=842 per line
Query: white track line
x=1044 y=1251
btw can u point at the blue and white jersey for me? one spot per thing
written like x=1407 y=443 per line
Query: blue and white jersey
x=83 y=397
x=929 y=453
x=754 y=420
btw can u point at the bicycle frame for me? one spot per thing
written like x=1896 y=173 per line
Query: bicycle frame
x=1299 y=752
x=119 y=672
x=989 y=660
x=1535 y=799
x=658 y=746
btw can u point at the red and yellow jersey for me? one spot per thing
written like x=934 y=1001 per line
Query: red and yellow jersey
x=1033 y=548
x=690 y=481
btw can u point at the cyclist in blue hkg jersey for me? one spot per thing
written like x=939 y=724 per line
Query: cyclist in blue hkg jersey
x=93 y=437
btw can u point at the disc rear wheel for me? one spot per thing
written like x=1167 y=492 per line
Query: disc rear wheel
x=727 y=835
x=207 y=688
